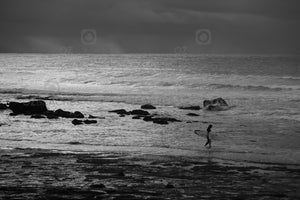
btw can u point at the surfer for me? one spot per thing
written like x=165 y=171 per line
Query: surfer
x=208 y=136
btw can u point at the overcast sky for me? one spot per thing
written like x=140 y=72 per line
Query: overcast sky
x=150 y=26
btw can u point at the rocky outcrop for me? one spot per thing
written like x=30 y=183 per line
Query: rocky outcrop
x=37 y=116
x=80 y=122
x=139 y=112
x=190 y=108
x=67 y=114
x=28 y=108
x=3 y=106
x=218 y=104
x=50 y=114
x=120 y=112
x=148 y=107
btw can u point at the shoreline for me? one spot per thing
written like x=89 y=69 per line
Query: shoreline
x=45 y=174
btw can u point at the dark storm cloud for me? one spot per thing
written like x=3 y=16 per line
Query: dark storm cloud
x=158 y=26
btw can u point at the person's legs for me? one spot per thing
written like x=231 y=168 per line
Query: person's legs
x=209 y=143
x=206 y=143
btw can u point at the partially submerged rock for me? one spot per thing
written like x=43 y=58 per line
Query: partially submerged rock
x=139 y=112
x=3 y=106
x=37 y=116
x=28 y=108
x=148 y=107
x=120 y=112
x=218 y=104
x=190 y=108
x=192 y=114
x=87 y=121
x=77 y=122
x=67 y=114
x=80 y=122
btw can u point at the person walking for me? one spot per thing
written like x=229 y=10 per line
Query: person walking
x=208 y=142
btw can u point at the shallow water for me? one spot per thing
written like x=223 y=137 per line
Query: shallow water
x=263 y=124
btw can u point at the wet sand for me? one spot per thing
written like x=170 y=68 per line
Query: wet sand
x=43 y=174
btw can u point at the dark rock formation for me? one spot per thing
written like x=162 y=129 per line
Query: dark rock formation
x=78 y=114
x=67 y=114
x=137 y=117
x=37 y=116
x=3 y=106
x=190 y=108
x=120 y=112
x=148 y=118
x=87 y=121
x=192 y=114
x=139 y=112
x=50 y=114
x=92 y=117
x=28 y=108
x=77 y=122
x=160 y=121
x=148 y=107
x=218 y=104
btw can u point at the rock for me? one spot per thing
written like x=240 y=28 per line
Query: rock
x=64 y=114
x=139 y=112
x=3 y=106
x=92 y=117
x=78 y=114
x=171 y=119
x=67 y=114
x=192 y=114
x=90 y=121
x=120 y=112
x=148 y=118
x=160 y=121
x=38 y=116
x=169 y=186
x=28 y=108
x=148 y=107
x=122 y=115
x=137 y=117
x=77 y=122
x=218 y=104
x=50 y=114
x=190 y=108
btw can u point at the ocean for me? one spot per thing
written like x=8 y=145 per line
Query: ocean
x=263 y=91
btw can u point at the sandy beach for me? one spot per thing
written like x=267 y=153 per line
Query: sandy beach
x=43 y=174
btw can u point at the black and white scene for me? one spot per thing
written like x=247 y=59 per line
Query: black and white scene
x=149 y=99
